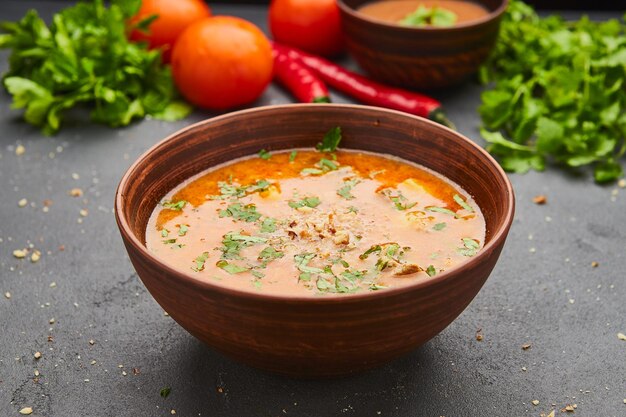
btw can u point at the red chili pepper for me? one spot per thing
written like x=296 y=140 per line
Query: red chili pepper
x=299 y=79
x=366 y=90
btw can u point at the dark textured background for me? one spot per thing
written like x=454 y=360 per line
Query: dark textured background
x=543 y=291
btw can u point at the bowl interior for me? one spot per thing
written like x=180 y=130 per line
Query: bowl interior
x=206 y=144
x=493 y=6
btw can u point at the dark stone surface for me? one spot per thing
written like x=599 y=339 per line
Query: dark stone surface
x=543 y=291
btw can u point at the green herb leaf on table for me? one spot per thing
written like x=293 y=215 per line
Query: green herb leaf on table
x=556 y=93
x=85 y=59
x=165 y=392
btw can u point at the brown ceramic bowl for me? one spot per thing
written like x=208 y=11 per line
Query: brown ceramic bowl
x=419 y=58
x=299 y=336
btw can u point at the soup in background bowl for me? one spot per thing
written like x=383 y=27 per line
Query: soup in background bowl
x=311 y=331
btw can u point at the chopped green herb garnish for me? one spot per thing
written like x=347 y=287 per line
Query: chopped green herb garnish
x=440 y=226
x=257 y=284
x=183 y=229
x=441 y=210
x=352 y=209
x=228 y=190
x=292 y=156
x=373 y=249
x=263 y=154
x=433 y=16
x=269 y=254
x=327 y=164
x=268 y=225
x=470 y=247
x=164 y=232
x=353 y=275
x=169 y=241
x=177 y=206
x=302 y=261
x=165 y=392
x=347 y=188
x=376 y=287
x=311 y=171
x=431 y=271
x=399 y=200
x=231 y=268
x=200 y=260
x=238 y=211
x=463 y=203
x=311 y=202
x=323 y=285
x=331 y=140
x=233 y=243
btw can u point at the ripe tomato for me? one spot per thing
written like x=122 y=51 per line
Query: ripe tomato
x=222 y=62
x=311 y=25
x=173 y=17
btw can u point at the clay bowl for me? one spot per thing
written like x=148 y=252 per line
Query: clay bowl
x=312 y=337
x=419 y=58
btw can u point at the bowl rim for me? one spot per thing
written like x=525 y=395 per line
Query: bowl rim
x=493 y=15
x=128 y=236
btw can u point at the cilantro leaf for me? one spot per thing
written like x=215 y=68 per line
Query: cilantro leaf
x=84 y=58
x=311 y=202
x=331 y=140
x=231 y=268
x=239 y=211
x=556 y=93
x=177 y=206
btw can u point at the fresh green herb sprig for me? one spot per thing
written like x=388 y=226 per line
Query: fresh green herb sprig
x=85 y=58
x=558 y=93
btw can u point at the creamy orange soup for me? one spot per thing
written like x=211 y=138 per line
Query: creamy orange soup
x=394 y=11
x=312 y=223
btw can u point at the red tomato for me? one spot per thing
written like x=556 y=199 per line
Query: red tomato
x=311 y=25
x=173 y=17
x=222 y=62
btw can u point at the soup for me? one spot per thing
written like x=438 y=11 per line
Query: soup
x=307 y=222
x=424 y=12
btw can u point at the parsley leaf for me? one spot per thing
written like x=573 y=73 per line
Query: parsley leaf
x=440 y=226
x=311 y=202
x=233 y=243
x=347 y=187
x=463 y=203
x=165 y=392
x=200 y=260
x=263 y=154
x=239 y=211
x=431 y=271
x=470 y=247
x=177 y=206
x=84 y=58
x=556 y=93
x=231 y=268
x=292 y=156
x=331 y=140
x=268 y=225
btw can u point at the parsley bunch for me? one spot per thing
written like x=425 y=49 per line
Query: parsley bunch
x=84 y=57
x=559 y=93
